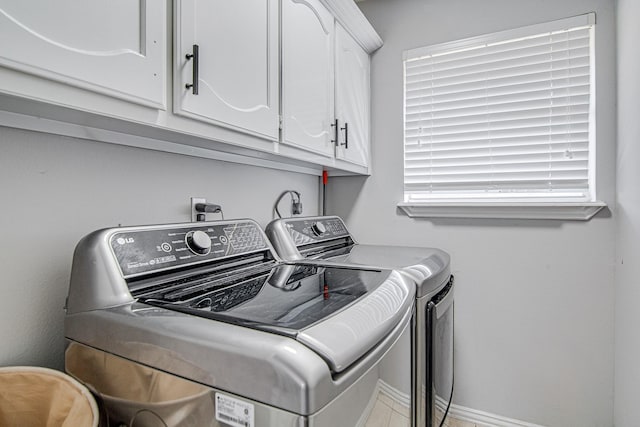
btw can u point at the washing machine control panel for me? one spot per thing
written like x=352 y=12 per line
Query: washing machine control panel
x=150 y=250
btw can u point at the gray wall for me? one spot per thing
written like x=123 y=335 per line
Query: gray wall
x=534 y=299
x=627 y=378
x=54 y=190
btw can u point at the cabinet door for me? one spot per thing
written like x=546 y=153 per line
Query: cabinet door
x=237 y=63
x=307 y=76
x=352 y=99
x=113 y=47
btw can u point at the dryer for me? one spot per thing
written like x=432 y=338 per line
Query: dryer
x=326 y=239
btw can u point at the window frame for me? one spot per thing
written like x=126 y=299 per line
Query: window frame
x=536 y=208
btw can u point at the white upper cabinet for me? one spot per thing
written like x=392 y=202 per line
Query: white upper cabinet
x=261 y=82
x=236 y=66
x=352 y=99
x=115 y=47
x=308 y=76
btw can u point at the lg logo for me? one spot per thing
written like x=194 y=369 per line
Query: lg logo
x=123 y=240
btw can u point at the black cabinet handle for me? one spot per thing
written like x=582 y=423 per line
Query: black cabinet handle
x=334 y=125
x=346 y=135
x=196 y=64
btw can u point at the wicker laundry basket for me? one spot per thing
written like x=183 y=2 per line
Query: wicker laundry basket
x=134 y=395
x=31 y=396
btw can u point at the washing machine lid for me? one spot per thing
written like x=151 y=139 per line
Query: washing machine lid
x=338 y=312
x=347 y=336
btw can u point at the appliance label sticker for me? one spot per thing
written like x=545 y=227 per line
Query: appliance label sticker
x=234 y=412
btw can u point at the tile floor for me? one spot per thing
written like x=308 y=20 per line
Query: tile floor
x=455 y=422
x=387 y=412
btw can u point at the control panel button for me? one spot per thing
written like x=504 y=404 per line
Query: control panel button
x=318 y=228
x=198 y=242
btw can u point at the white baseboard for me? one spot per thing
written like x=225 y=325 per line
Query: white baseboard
x=486 y=419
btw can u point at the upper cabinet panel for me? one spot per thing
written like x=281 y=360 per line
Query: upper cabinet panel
x=308 y=76
x=116 y=47
x=235 y=67
x=281 y=83
x=352 y=99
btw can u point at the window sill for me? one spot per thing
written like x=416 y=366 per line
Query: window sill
x=571 y=211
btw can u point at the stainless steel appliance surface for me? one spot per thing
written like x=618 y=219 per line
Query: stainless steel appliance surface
x=326 y=240
x=202 y=324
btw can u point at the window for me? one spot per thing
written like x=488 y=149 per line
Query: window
x=506 y=118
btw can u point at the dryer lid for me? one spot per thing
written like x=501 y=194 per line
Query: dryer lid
x=428 y=268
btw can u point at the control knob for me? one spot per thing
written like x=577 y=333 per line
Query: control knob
x=318 y=228
x=199 y=242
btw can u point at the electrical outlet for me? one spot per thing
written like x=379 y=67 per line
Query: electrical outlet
x=194 y=213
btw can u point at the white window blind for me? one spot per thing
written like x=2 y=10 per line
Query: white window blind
x=507 y=116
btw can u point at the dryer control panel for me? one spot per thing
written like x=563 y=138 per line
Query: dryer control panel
x=305 y=231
